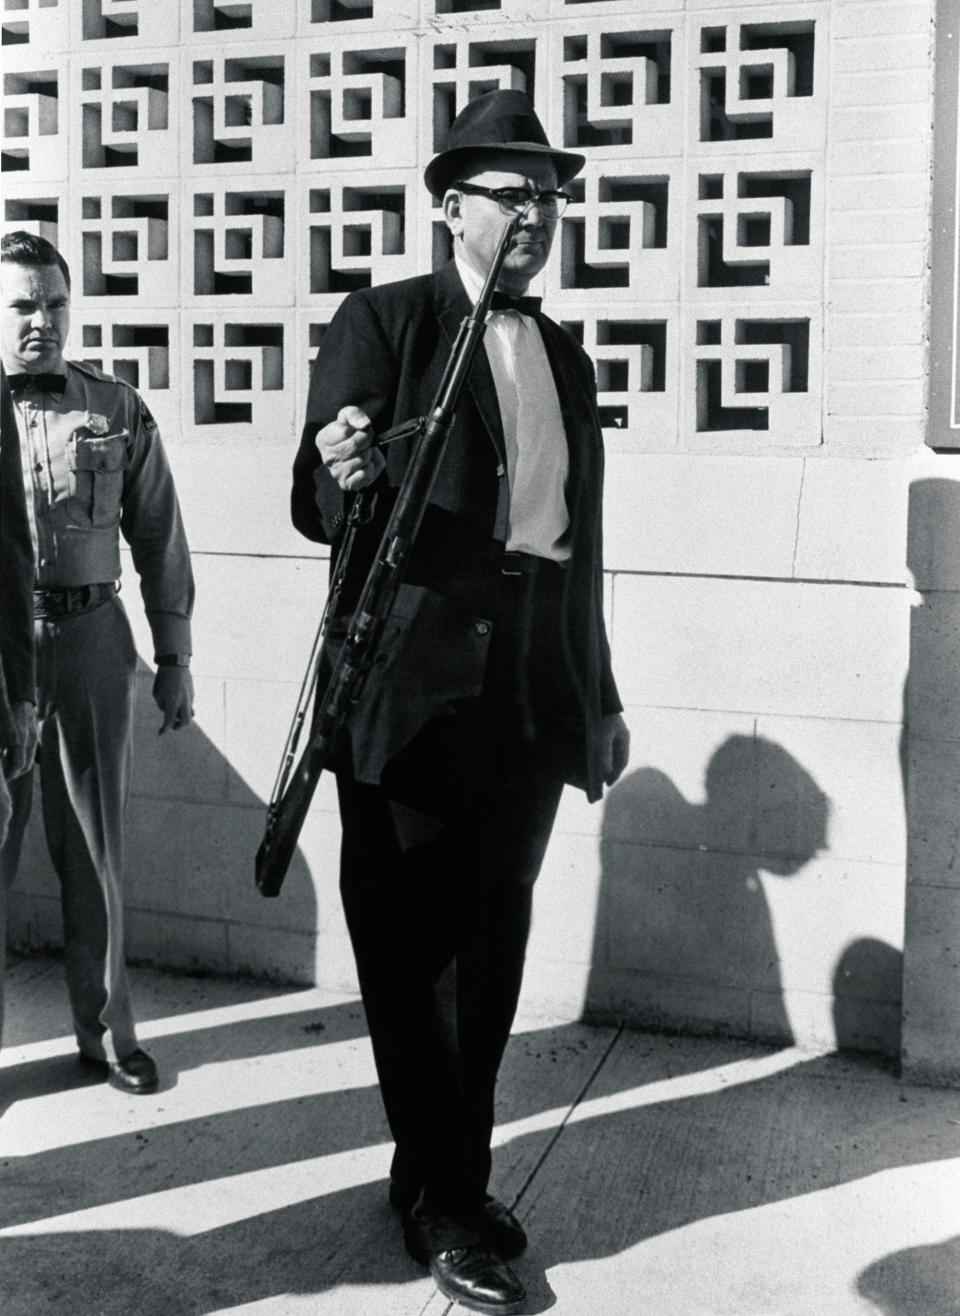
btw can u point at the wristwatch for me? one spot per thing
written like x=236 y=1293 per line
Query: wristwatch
x=173 y=660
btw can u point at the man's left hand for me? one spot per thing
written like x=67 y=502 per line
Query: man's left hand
x=615 y=744
x=173 y=692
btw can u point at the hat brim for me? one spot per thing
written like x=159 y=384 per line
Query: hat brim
x=444 y=168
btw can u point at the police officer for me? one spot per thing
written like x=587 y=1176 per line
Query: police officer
x=93 y=467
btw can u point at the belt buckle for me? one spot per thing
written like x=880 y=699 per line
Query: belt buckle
x=506 y=569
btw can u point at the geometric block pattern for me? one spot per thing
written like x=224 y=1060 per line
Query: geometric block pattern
x=230 y=169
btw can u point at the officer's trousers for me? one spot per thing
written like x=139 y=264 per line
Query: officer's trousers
x=86 y=663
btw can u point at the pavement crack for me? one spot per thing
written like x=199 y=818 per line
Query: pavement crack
x=558 y=1131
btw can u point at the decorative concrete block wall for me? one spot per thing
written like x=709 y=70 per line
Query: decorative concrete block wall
x=745 y=260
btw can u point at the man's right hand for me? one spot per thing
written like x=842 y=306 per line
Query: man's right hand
x=348 y=451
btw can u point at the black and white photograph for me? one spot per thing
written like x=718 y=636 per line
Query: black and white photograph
x=480 y=658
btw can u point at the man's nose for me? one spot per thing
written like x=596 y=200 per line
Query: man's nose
x=533 y=215
x=41 y=316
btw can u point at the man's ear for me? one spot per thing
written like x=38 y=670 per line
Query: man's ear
x=452 y=201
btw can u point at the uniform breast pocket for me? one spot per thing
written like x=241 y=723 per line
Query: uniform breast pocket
x=97 y=467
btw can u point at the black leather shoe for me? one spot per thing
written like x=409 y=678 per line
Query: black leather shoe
x=476 y=1278
x=500 y=1229
x=135 y=1073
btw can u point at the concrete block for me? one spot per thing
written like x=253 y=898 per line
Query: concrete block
x=855 y=768
x=197 y=860
x=897 y=18
x=934 y=792
x=893 y=50
x=933 y=554
x=674 y=745
x=35 y=874
x=870 y=123
x=871 y=436
x=898 y=260
x=802 y=1019
x=684 y=913
x=185 y=764
x=266 y=634
x=900 y=156
x=825 y=916
x=319 y=855
x=667 y=513
x=867 y=300
x=931 y=986
x=191 y=944
x=259 y=715
x=565 y=901
x=855 y=228
x=643 y=1000
x=287 y=956
x=904 y=328
x=874 y=88
x=818 y=1021
x=906 y=362
x=933 y=697
x=894 y=398
x=334 y=967
x=34 y=920
x=852 y=522
x=759 y=646
x=254 y=517
x=553 y=991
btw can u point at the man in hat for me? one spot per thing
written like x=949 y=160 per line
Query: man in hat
x=493 y=686
x=93 y=467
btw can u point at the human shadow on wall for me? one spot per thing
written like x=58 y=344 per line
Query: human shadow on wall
x=192 y=830
x=684 y=937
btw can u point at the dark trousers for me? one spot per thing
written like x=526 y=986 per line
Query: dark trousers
x=86 y=665
x=438 y=904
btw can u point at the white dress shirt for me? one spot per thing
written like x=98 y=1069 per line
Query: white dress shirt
x=533 y=430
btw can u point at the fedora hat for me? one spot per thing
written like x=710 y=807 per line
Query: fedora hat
x=497 y=121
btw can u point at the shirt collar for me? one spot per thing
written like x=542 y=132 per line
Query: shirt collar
x=471 y=280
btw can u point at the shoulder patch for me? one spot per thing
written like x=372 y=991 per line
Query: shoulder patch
x=146 y=418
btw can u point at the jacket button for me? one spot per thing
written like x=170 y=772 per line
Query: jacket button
x=482 y=627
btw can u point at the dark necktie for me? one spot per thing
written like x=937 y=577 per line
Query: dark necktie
x=46 y=383
x=525 y=305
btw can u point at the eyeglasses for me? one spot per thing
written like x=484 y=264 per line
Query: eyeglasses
x=516 y=200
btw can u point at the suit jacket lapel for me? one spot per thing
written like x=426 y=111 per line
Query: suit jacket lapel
x=452 y=305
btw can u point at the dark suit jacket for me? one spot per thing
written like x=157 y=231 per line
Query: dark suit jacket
x=385 y=352
x=16 y=565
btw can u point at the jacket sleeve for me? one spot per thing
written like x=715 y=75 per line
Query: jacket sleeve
x=16 y=563
x=153 y=527
x=355 y=366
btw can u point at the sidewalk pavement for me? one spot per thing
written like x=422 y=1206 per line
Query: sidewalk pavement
x=656 y=1175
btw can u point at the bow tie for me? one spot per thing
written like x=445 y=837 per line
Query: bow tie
x=525 y=305
x=46 y=383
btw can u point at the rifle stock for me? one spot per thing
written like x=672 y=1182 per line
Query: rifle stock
x=295 y=789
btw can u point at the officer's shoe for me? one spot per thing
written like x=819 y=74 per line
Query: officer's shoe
x=135 y=1073
x=476 y=1277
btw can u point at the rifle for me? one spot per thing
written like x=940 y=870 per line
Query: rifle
x=294 y=788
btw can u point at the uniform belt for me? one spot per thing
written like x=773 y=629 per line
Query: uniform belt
x=62 y=602
x=528 y=564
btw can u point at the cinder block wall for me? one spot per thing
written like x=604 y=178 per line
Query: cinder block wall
x=746 y=261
